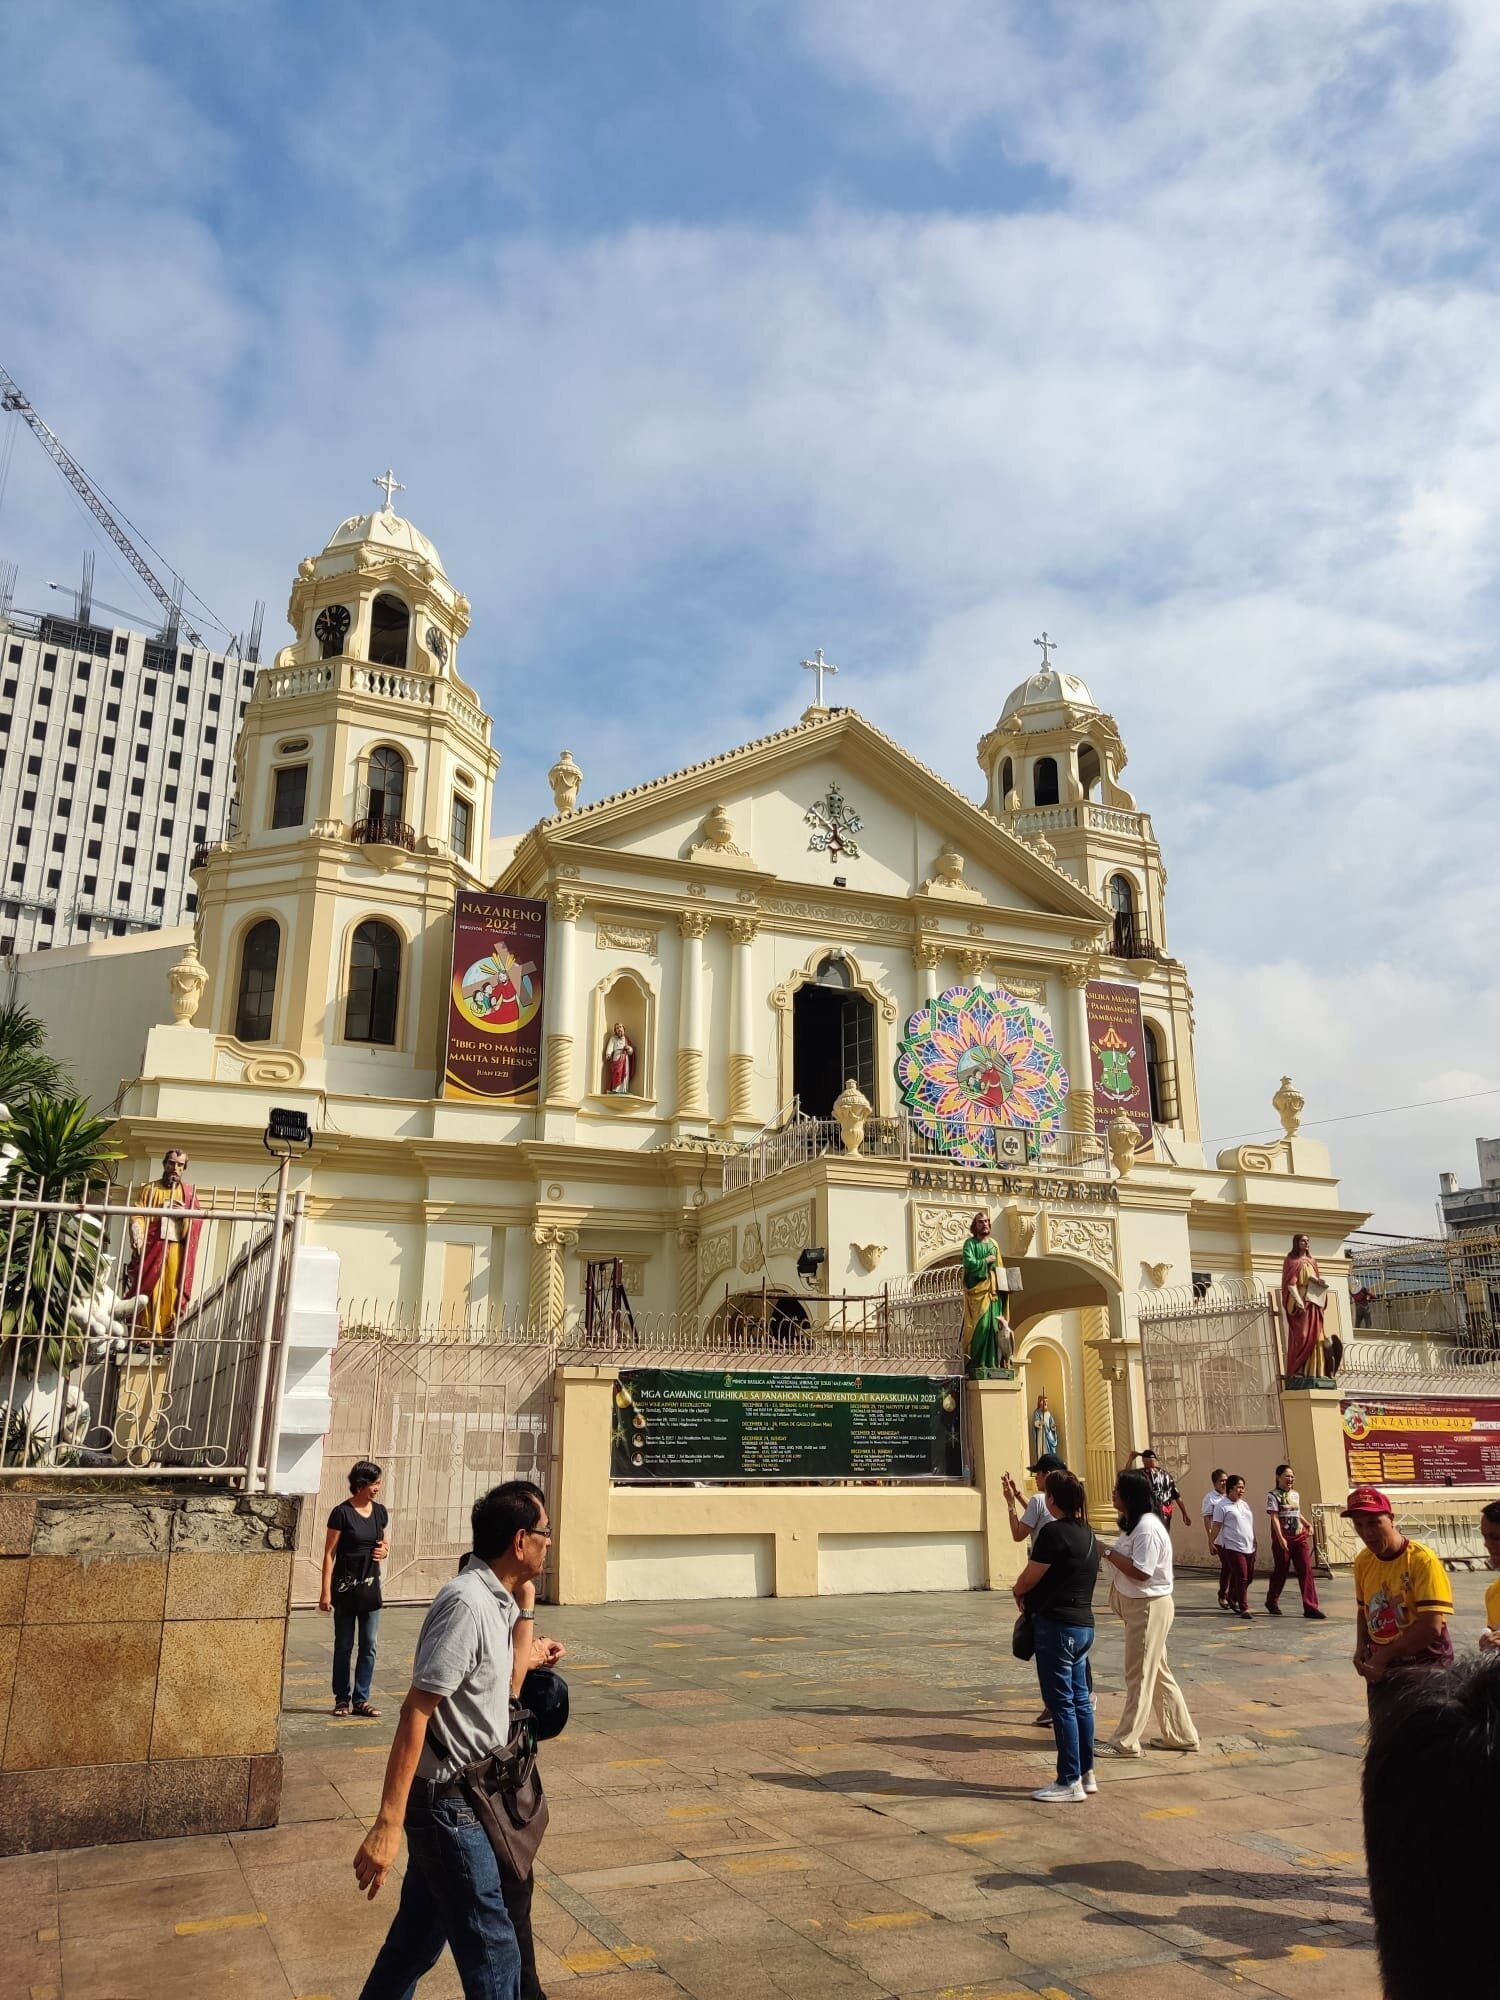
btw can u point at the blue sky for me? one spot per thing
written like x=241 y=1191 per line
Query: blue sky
x=702 y=334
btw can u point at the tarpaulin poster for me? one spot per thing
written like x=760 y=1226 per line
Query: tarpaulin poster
x=1409 y=1441
x=494 y=1049
x=1117 y=1055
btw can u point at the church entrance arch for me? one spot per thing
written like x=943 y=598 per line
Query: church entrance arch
x=833 y=1037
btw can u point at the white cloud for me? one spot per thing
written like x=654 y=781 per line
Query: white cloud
x=1222 y=416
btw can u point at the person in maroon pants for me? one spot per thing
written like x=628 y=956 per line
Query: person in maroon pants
x=1291 y=1546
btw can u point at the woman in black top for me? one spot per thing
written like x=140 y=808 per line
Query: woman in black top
x=355 y=1548
x=1057 y=1589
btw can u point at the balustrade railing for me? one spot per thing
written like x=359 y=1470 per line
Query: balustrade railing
x=1004 y=1148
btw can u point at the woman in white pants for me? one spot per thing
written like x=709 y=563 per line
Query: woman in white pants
x=1141 y=1592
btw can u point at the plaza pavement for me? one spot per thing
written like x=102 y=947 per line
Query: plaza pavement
x=798 y=1800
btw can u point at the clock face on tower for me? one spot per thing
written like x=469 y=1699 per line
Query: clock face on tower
x=331 y=627
x=437 y=645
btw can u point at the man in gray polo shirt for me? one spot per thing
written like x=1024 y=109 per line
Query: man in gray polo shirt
x=456 y=1711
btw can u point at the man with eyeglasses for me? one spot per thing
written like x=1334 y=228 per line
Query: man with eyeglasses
x=456 y=1712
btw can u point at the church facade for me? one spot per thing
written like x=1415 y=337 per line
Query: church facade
x=802 y=1009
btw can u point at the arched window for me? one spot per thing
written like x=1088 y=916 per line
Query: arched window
x=259 y=956
x=1157 y=1075
x=390 y=632
x=1007 y=779
x=834 y=971
x=374 y=984
x=387 y=783
x=1088 y=770
x=1044 y=782
x=1120 y=894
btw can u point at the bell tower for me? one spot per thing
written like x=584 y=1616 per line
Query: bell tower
x=1052 y=767
x=364 y=779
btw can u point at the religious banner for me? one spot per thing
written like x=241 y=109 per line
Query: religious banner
x=1117 y=1055
x=1412 y=1441
x=978 y=1068
x=494 y=1044
x=695 y=1424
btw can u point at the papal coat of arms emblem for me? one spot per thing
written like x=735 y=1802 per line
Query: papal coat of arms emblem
x=1114 y=1055
x=834 y=825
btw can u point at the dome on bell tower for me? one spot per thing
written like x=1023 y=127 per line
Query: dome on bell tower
x=386 y=531
x=1037 y=702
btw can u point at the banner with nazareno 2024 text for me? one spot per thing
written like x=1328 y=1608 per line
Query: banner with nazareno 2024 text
x=494 y=1040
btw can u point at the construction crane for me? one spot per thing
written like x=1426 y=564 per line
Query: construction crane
x=12 y=400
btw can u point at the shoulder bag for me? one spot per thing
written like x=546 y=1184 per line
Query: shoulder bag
x=505 y=1790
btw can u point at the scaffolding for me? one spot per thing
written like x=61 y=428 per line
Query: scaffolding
x=1444 y=1285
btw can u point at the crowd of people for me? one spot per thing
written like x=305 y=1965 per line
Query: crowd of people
x=461 y=1784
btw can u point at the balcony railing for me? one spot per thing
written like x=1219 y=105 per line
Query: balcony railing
x=379 y=830
x=1004 y=1149
x=1095 y=818
x=1132 y=940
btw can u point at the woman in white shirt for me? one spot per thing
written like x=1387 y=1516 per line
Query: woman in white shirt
x=1233 y=1536
x=1141 y=1592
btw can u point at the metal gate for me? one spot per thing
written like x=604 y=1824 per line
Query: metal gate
x=445 y=1419
x=1212 y=1368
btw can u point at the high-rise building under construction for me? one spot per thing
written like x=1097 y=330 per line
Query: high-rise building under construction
x=116 y=763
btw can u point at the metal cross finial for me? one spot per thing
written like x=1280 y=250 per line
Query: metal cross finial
x=819 y=666
x=391 y=484
x=1047 y=645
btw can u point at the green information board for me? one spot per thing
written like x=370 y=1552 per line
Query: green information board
x=696 y=1424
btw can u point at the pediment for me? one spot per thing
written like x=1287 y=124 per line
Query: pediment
x=834 y=797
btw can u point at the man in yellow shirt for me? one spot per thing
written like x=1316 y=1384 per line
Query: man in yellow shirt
x=1403 y=1597
x=1489 y=1527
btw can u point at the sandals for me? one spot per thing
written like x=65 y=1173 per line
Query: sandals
x=341 y=1708
x=364 y=1709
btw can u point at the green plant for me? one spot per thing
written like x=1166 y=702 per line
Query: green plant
x=26 y=1069
x=52 y=1261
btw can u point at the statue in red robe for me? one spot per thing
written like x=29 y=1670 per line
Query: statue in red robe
x=1303 y=1297
x=619 y=1058
x=164 y=1251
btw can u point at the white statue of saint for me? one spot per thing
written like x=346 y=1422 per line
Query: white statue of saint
x=619 y=1061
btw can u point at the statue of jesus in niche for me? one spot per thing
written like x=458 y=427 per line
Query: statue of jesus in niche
x=619 y=1061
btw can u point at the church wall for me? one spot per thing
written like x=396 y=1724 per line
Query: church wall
x=99 y=1002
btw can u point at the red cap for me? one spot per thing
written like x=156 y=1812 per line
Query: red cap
x=1367 y=1500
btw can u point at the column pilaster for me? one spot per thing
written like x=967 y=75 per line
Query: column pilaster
x=1076 y=977
x=561 y=1070
x=692 y=1103
x=742 y=934
x=547 y=1297
x=687 y=1275
x=1101 y=1463
x=927 y=958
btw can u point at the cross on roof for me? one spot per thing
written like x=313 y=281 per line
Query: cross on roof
x=391 y=484
x=1047 y=645
x=819 y=666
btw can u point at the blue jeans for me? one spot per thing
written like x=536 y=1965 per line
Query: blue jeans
x=1062 y=1661
x=345 y=1624
x=451 y=1894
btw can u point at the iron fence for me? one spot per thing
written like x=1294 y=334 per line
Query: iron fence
x=1212 y=1365
x=1006 y=1148
x=139 y=1334
x=913 y=1326
x=1452 y=1536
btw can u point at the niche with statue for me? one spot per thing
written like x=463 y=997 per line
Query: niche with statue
x=624 y=1033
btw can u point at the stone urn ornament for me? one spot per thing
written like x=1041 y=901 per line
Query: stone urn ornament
x=1124 y=1137
x=853 y=1111
x=187 y=980
x=566 y=780
x=1287 y=1104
